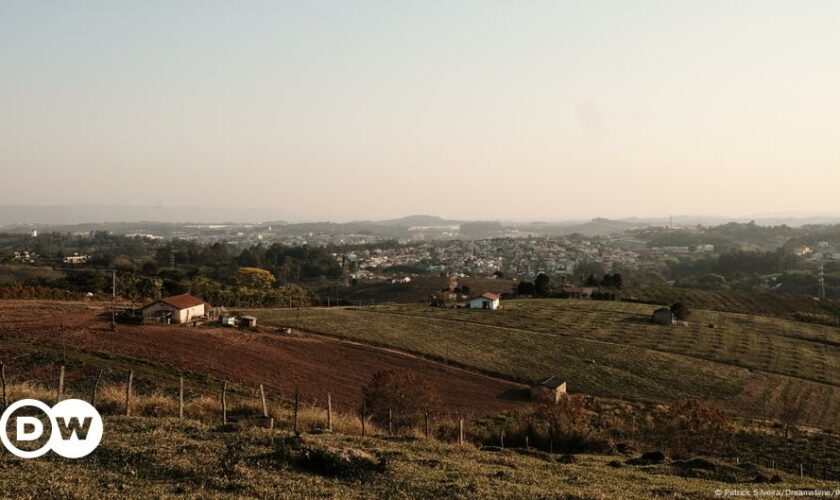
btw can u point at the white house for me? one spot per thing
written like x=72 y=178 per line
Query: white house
x=176 y=309
x=486 y=300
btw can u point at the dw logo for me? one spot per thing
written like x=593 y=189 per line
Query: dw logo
x=75 y=428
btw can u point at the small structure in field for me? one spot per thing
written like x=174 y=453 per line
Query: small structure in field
x=549 y=388
x=176 y=309
x=227 y=320
x=247 y=321
x=486 y=300
x=662 y=316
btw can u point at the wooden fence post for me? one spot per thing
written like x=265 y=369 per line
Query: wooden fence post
x=181 y=397
x=426 y=424
x=390 y=422
x=60 y=395
x=262 y=397
x=3 y=376
x=502 y=440
x=224 y=403
x=461 y=431
x=801 y=471
x=329 y=412
x=95 y=389
x=128 y=393
x=297 y=405
x=364 y=417
x=527 y=446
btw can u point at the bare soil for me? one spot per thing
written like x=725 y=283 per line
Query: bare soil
x=316 y=365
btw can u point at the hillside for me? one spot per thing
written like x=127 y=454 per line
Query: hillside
x=144 y=457
x=765 y=304
x=418 y=291
x=753 y=364
x=39 y=332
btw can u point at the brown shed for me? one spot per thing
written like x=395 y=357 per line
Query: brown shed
x=551 y=388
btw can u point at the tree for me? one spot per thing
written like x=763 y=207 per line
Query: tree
x=612 y=281
x=568 y=421
x=591 y=280
x=791 y=413
x=542 y=285
x=254 y=277
x=403 y=393
x=525 y=288
x=692 y=427
x=681 y=311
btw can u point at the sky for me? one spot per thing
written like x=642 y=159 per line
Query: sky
x=349 y=110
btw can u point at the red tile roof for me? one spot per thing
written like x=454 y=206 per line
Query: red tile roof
x=184 y=301
x=488 y=296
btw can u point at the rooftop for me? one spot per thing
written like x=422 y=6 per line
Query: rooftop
x=183 y=301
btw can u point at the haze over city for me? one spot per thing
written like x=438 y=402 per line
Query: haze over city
x=373 y=110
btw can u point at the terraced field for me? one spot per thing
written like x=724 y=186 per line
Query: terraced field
x=753 y=364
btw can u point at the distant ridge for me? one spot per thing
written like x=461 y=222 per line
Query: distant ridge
x=79 y=214
x=65 y=215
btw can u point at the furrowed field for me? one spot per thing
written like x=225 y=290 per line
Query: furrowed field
x=756 y=365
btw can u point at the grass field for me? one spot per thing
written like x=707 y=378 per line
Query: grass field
x=147 y=457
x=767 y=304
x=20 y=273
x=752 y=363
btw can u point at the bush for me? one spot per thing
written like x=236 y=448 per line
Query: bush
x=681 y=311
x=404 y=394
x=567 y=422
x=692 y=427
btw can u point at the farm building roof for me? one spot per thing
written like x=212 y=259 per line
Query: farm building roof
x=487 y=295
x=574 y=289
x=550 y=382
x=183 y=301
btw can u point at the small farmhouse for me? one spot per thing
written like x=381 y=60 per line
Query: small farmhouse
x=549 y=388
x=662 y=316
x=176 y=309
x=486 y=300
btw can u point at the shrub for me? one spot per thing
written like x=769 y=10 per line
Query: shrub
x=692 y=427
x=405 y=394
x=567 y=422
x=681 y=311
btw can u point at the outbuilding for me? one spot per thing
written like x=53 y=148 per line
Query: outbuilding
x=176 y=309
x=247 y=321
x=486 y=300
x=549 y=388
x=662 y=316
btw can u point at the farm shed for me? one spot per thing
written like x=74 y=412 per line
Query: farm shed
x=247 y=321
x=550 y=388
x=662 y=316
x=176 y=309
x=486 y=300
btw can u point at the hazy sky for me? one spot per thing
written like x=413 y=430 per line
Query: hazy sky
x=361 y=109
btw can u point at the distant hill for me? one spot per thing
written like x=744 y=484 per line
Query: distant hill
x=78 y=214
